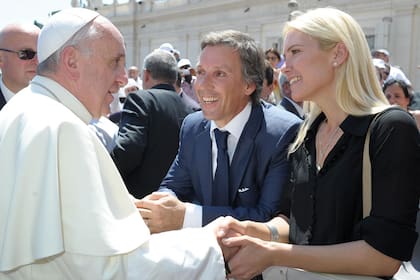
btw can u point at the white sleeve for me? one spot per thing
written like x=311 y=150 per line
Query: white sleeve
x=191 y=253
x=193 y=216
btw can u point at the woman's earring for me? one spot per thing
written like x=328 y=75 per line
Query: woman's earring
x=335 y=63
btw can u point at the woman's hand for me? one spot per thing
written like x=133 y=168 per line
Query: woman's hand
x=251 y=258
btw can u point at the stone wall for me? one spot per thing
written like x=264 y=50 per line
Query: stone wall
x=145 y=24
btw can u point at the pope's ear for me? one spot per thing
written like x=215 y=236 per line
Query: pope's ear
x=70 y=61
x=1 y=61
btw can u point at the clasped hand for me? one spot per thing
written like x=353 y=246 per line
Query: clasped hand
x=161 y=211
x=245 y=256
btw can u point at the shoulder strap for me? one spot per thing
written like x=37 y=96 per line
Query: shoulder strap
x=367 y=170
x=367 y=176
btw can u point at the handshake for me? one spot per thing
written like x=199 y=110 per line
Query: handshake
x=245 y=256
x=245 y=245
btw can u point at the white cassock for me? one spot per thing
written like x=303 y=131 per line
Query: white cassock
x=64 y=210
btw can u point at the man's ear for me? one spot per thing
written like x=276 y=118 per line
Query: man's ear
x=250 y=88
x=146 y=75
x=70 y=62
x=271 y=87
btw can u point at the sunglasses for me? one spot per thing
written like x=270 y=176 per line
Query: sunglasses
x=22 y=54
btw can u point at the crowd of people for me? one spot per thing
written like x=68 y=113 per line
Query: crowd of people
x=175 y=169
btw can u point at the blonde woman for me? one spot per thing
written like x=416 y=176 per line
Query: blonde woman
x=320 y=226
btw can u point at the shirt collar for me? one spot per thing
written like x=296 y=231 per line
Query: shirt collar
x=237 y=124
x=51 y=88
x=163 y=86
x=7 y=93
x=297 y=107
x=355 y=125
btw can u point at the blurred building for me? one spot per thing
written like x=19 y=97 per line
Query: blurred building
x=146 y=24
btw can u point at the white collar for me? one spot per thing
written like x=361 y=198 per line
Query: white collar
x=297 y=107
x=51 y=88
x=237 y=124
x=7 y=93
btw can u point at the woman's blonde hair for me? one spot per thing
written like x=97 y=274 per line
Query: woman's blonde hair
x=358 y=91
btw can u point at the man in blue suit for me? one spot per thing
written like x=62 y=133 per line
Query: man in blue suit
x=230 y=75
x=287 y=101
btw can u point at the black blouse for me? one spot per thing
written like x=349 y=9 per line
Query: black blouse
x=326 y=207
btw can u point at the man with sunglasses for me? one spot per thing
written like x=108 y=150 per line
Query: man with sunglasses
x=18 y=60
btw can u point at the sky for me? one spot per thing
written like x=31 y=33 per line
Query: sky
x=26 y=11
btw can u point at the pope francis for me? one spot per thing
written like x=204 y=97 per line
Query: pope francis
x=64 y=210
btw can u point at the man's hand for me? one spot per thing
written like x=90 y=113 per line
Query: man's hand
x=161 y=211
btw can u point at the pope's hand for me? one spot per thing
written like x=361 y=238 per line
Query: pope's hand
x=161 y=211
x=226 y=227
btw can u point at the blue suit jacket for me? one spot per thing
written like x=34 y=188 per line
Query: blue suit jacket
x=258 y=170
x=287 y=104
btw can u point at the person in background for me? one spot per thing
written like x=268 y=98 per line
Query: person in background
x=274 y=57
x=399 y=93
x=148 y=135
x=393 y=72
x=116 y=106
x=169 y=48
x=131 y=87
x=18 y=59
x=188 y=78
x=232 y=158
x=287 y=102
x=188 y=101
x=382 y=70
x=79 y=221
x=134 y=73
x=320 y=226
x=267 y=93
x=177 y=55
x=106 y=130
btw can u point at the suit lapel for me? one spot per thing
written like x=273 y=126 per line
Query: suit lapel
x=244 y=150
x=2 y=100
x=202 y=154
x=289 y=106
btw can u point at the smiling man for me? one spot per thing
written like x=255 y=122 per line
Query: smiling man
x=18 y=58
x=230 y=75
